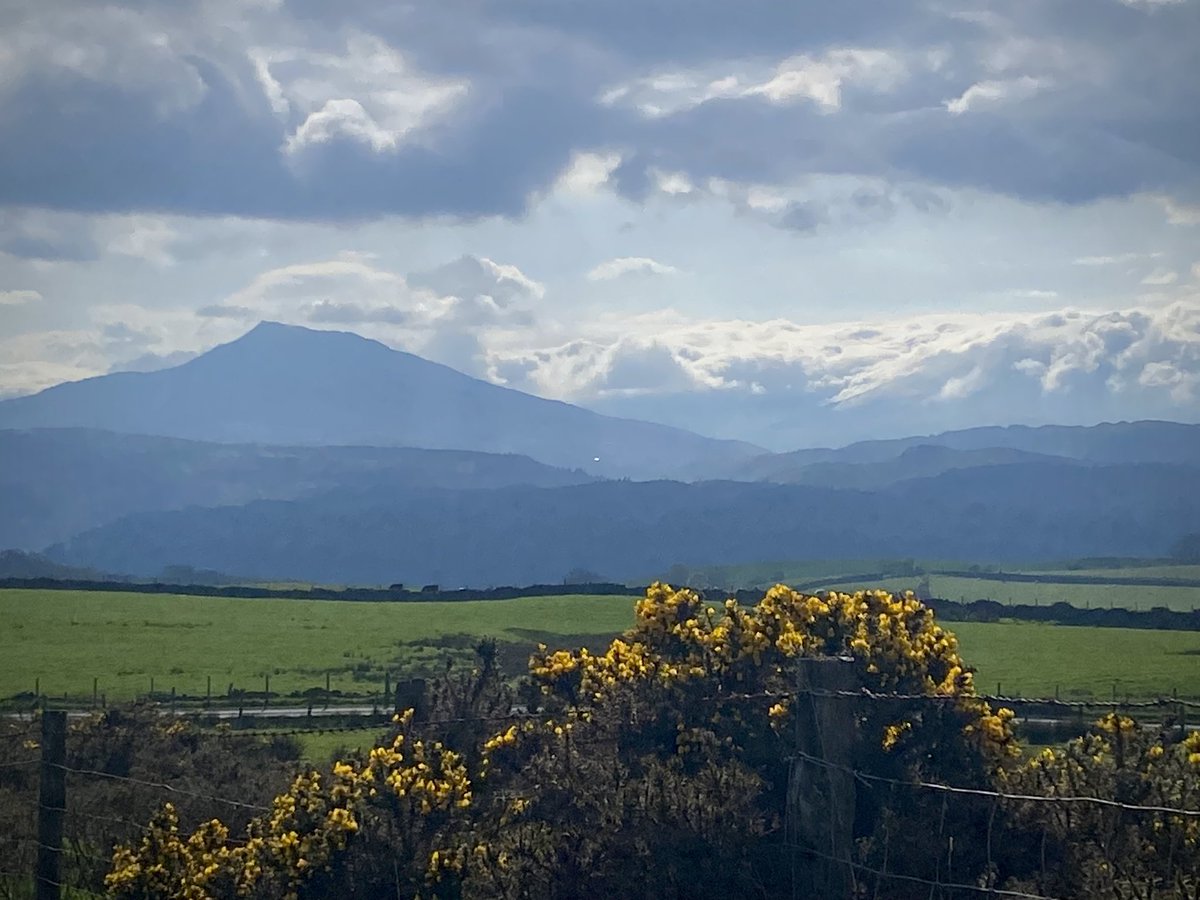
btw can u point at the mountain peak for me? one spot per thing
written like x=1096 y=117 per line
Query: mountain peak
x=287 y=384
x=269 y=330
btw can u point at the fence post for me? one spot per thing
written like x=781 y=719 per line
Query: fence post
x=821 y=789
x=52 y=803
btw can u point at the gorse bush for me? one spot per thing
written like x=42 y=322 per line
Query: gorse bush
x=661 y=768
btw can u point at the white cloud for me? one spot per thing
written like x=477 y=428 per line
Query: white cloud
x=936 y=358
x=819 y=79
x=625 y=265
x=1161 y=277
x=587 y=173
x=19 y=298
x=447 y=313
x=342 y=118
x=132 y=50
x=143 y=237
x=1177 y=211
x=984 y=94
x=370 y=93
x=261 y=60
x=1152 y=5
x=672 y=183
x=1112 y=259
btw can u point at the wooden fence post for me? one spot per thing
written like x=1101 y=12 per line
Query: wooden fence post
x=821 y=789
x=52 y=804
x=410 y=694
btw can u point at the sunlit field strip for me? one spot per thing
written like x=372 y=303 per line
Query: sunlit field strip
x=64 y=640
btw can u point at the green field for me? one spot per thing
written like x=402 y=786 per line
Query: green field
x=320 y=749
x=1126 y=573
x=1034 y=658
x=65 y=639
x=1095 y=596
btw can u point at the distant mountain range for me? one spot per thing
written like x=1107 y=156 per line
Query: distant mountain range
x=620 y=529
x=55 y=483
x=1121 y=442
x=323 y=456
x=287 y=385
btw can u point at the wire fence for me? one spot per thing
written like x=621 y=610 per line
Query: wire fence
x=106 y=808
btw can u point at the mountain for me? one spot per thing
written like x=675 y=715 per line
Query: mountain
x=519 y=535
x=1108 y=443
x=282 y=384
x=57 y=482
x=916 y=461
x=18 y=564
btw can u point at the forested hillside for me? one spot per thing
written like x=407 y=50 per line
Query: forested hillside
x=623 y=529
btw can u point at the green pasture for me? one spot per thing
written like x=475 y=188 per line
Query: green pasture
x=1034 y=659
x=1126 y=573
x=65 y=639
x=1095 y=596
x=321 y=748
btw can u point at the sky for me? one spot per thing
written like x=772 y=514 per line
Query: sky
x=794 y=224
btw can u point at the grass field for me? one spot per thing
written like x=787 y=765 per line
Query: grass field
x=1103 y=596
x=320 y=749
x=1034 y=658
x=1129 y=572
x=65 y=639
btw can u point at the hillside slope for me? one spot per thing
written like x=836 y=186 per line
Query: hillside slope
x=1109 y=443
x=627 y=529
x=57 y=482
x=283 y=384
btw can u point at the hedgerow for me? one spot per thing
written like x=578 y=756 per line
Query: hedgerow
x=661 y=767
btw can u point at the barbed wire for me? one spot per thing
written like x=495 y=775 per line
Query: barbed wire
x=998 y=795
x=162 y=786
x=522 y=715
x=897 y=876
x=866 y=694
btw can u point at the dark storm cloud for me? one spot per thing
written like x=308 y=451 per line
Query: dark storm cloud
x=1063 y=101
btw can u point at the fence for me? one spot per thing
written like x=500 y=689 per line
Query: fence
x=61 y=849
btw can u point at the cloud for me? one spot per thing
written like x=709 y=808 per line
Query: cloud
x=1152 y=5
x=634 y=366
x=471 y=276
x=1161 y=277
x=993 y=93
x=587 y=172
x=369 y=93
x=19 y=298
x=1112 y=259
x=145 y=237
x=153 y=362
x=626 y=265
x=443 y=313
x=1177 y=211
x=38 y=235
x=937 y=371
x=294 y=111
x=817 y=79
x=34 y=361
